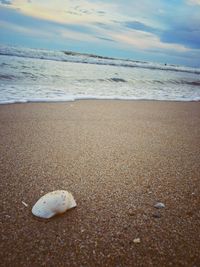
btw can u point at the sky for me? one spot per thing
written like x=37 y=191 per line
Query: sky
x=166 y=31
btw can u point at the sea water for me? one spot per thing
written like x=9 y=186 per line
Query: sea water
x=35 y=75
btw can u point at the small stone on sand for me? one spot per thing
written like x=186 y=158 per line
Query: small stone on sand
x=136 y=240
x=131 y=213
x=156 y=215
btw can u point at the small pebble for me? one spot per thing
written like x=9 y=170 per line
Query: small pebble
x=136 y=240
x=131 y=212
x=159 y=205
x=126 y=227
x=189 y=213
x=156 y=215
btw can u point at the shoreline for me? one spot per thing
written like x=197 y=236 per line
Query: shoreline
x=97 y=99
x=118 y=158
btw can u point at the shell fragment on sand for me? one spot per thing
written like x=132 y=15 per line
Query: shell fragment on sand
x=159 y=205
x=53 y=203
x=25 y=204
x=136 y=240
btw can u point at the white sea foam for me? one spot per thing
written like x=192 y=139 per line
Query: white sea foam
x=27 y=76
x=68 y=56
x=70 y=99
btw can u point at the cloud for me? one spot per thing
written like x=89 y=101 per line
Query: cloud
x=13 y=21
x=6 y=2
x=129 y=33
x=101 y=12
x=105 y=39
x=193 y=2
x=188 y=38
x=183 y=30
x=79 y=11
x=146 y=41
x=26 y=30
x=137 y=25
x=76 y=36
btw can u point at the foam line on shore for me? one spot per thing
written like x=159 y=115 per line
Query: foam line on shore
x=74 y=98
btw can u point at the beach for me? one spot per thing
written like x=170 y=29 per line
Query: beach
x=118 y=158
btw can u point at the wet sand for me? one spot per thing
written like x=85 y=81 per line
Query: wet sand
x=118 y=158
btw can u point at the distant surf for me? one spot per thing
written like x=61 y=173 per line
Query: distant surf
x=35 y=75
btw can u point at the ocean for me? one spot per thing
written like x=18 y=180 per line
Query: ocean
x=36 y=75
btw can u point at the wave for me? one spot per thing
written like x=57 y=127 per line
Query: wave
x=69 y=56
x=77 y=98
x=25 y=74
x=7 y=77
x=177 y=82
x=117 y=80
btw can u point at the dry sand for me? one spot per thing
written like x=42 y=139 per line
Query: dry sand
x=118 y=158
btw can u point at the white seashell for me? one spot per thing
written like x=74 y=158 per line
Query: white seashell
x=159 y=205
x=53 y=203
